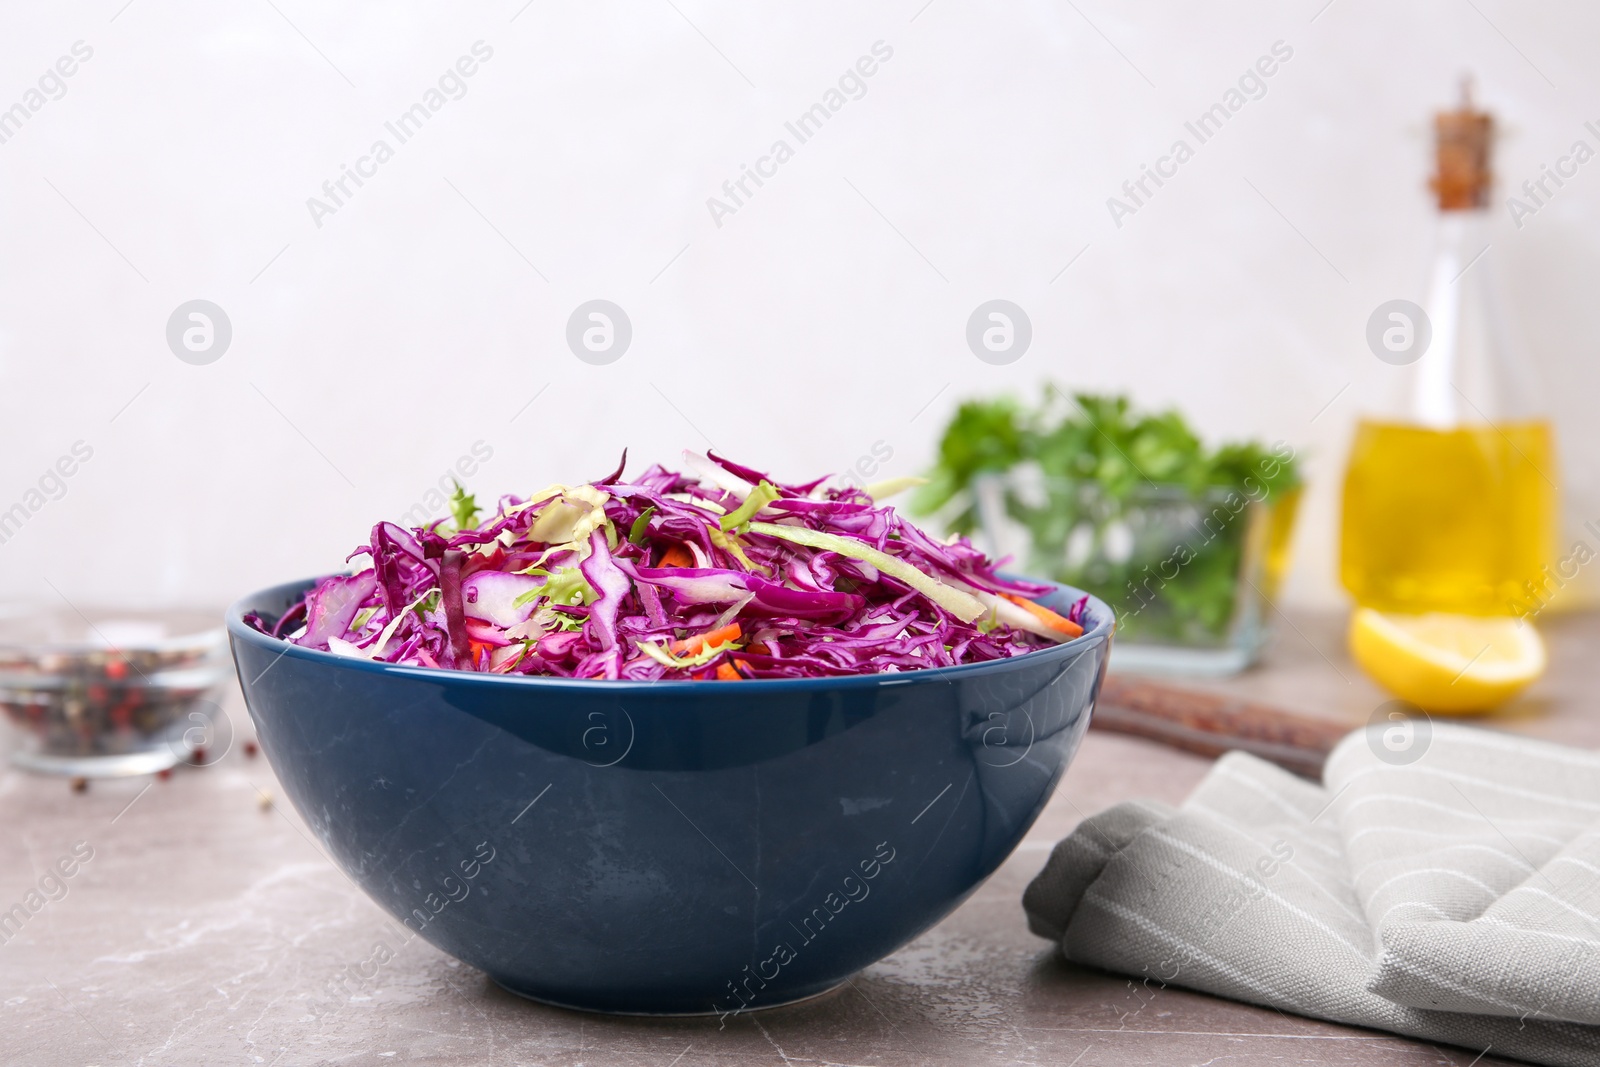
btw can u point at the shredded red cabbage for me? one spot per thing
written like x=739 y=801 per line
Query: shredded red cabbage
x=723 y=573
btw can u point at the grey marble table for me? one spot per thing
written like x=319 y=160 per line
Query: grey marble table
x=207 y=926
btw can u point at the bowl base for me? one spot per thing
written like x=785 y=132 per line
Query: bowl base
x=549 y=1002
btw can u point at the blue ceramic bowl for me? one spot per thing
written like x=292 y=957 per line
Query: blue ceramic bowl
x=669 y=848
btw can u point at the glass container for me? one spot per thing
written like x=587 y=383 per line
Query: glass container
x=1450 y=499
x=1191 y=576
x=109 y=693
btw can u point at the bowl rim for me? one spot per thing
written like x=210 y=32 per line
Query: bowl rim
x=1102 y=630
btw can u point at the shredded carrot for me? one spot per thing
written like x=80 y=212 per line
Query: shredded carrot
x=712 y=639
x=479 y=649
x=1059 y=623
x=676 y=556
x=759 y=648
x=728 y=673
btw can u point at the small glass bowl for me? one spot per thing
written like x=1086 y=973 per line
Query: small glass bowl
x=109 y=693
x=1192 y=576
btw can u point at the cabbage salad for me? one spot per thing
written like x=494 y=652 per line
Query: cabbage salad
x=719 y=572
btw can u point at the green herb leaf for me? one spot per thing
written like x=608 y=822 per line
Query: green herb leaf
x=642 y=523
x=463 y=508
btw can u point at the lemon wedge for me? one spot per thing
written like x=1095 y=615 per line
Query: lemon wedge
x=1450 y=663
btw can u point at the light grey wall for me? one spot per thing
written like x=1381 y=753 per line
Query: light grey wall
x=824 y=317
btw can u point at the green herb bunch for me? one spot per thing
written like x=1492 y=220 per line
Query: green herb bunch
x=1098 y=464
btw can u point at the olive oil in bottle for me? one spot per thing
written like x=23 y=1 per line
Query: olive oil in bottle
x=1450 y=500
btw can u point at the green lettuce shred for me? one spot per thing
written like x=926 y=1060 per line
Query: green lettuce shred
x=662 y=655
x=962 y=605
x=762 y=495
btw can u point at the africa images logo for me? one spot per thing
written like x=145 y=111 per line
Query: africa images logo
x=852 y=85
x=52 y=85
x=451 y=85
x=1251 y=85
x=852 y=889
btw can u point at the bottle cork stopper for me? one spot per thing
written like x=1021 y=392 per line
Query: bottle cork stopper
x=1462 y=140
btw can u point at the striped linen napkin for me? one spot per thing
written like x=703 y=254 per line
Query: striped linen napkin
x=1443 y=882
